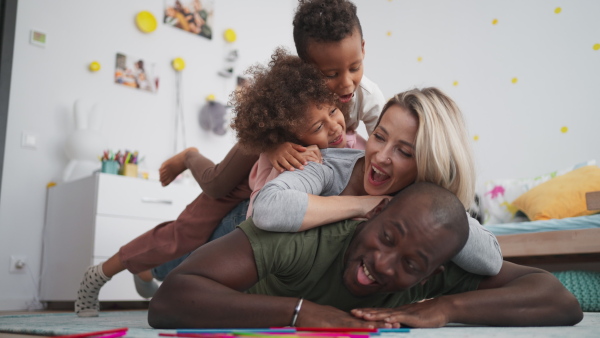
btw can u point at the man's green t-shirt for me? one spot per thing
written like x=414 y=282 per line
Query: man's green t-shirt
x=310 y=263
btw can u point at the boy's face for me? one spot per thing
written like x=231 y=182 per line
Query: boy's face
x=341 y=62
x=326 y=127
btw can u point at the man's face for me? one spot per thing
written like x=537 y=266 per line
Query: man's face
x=395 y=250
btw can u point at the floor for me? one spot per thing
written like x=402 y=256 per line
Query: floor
x=589 y=327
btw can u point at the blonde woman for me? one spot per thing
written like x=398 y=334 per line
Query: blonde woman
x=420 y=137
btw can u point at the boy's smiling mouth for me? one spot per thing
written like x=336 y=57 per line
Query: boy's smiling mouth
x=346 y=98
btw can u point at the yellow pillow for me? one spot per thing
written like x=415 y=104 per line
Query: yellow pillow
x=562 y=196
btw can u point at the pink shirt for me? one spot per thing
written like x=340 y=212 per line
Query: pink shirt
x=262 y=171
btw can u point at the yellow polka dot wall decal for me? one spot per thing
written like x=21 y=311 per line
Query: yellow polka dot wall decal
x=476 y=138
x=495 y=22
x=514 y=80
x=389 y=33
x=557 y=10
x=455 y=83
x=596 y=46
x=419 y=59
x=564 y=129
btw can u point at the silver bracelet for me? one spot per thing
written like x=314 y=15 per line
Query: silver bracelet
x=296 y=312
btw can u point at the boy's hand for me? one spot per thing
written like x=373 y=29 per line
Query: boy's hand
x=288 y=156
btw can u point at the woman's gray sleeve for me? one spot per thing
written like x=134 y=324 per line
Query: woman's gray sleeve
x=481 y=254
x=281 y=204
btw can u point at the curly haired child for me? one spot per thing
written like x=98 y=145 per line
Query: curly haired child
x=286 y=101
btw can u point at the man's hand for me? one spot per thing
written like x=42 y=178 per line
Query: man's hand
x=288 y=156
x=428 y=313
x=314 y=315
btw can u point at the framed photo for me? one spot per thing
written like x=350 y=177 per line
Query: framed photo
x=194 y=16
x=136 y=73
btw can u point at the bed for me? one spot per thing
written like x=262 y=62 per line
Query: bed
x=551 y=221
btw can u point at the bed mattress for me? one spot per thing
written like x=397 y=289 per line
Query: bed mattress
x=572 y=223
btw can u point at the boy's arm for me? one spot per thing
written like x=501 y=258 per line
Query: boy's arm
x=517 y=296
x=481 y=254
x=206 y=291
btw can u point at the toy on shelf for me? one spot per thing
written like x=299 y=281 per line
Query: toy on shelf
x=85 y=142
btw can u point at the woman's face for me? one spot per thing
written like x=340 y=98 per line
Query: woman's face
x=389 y=156
x=326 y=127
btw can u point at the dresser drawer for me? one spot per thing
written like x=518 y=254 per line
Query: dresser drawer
x=134 y=197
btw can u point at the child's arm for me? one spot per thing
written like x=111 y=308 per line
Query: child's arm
x=288 y=156
x=481 y=254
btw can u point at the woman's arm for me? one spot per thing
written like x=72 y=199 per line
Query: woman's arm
x=481 y=254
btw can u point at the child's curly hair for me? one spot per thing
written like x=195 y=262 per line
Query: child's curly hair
x=323 y=21
x=271 y=108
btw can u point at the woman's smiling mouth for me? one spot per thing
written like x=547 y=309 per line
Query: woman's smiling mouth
x=377 y=176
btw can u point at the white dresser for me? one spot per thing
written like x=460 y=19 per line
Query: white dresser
x=89 y=219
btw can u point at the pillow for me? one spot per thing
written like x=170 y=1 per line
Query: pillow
x=561 y=197
x=497 y=195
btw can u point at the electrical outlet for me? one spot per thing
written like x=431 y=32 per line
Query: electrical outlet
x=17 y=263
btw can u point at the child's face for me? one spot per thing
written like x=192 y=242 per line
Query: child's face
x=341 y=62
x=326 y=127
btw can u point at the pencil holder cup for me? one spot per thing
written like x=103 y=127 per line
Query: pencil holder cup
x=110 y=167
x=129 y=169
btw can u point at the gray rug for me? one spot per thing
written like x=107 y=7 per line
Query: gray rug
x=68 y=323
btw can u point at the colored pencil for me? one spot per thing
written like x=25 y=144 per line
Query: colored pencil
x=336 y=329
x=92 y=334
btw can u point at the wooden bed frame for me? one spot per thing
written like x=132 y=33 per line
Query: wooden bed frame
x=557 y=250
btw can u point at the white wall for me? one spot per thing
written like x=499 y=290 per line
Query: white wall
x=518 y=125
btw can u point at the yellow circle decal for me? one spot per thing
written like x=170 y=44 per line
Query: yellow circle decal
x=494 y=22
x=146 y=22
x=95 y=66
x=419 y=59
x=476 y=138
x=455 y=83
x=210 y=97
x=596 y=46
x=389 y=33
x=178 y=64
x=514 y=80
x=564 y=129
x=230 y=35
x=557 y=10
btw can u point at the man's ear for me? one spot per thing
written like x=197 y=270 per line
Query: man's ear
x=437 y=270
x=375 y=211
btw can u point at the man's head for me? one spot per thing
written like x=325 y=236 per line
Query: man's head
x=420 y=229
x=328 y=34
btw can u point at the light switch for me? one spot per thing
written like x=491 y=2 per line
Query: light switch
x=28 y=140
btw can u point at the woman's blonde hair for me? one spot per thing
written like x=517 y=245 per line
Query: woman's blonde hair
x=442 y=150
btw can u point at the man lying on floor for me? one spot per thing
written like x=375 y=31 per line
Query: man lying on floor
x=353 y=274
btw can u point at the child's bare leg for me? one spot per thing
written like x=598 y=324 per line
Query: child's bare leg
x=175 y=165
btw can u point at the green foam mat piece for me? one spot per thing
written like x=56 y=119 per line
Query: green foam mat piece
x=585 y=285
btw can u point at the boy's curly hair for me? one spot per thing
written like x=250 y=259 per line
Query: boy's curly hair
x=323 y=21
x=271 y=108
